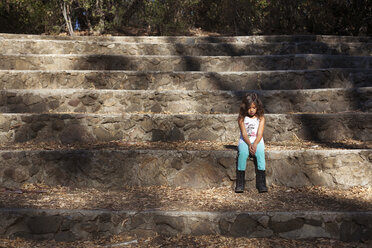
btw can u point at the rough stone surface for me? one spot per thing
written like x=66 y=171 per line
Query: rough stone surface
x=69 y=225
x=182 y=63
x=82 y=128
x=44 y=224
x=195 y=169
x=267 y=80
x=195 y=39
x=12 y=46
x=117 y=101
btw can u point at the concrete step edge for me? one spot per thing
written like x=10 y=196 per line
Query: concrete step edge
x=108 y=42
x=188 y=38
x=81 y=115
x=231 y=92
x=187 y=72
x=185 y=56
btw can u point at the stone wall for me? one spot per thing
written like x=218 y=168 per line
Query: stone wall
x=116 y=80
x=12 y=46
x=182 y=63
x=116 y=101
x=69 y=225
x=85 y=128
x=196 y=169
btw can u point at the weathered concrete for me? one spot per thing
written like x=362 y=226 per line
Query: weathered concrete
x=119 y=101
x=112 y=169
x=69 y=225
x=132 y=80
x=83 y=128
x=182 y=63
x=21 y=46
x=197 y=39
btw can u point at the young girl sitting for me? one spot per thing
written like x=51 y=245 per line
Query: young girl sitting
x=251 y=123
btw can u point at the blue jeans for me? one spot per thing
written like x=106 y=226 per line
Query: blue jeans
x=244 y=153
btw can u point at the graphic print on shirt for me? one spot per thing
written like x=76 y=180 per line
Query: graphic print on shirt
x=250 y=130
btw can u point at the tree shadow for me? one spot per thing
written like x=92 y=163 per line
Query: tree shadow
x=56 y=128
x=335 y=128
x=72 y=168
x=104 y=62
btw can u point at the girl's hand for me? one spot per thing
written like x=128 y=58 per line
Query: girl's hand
x=252 y=149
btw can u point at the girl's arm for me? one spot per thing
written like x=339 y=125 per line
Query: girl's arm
x=243 y=131
x=253 y=147
x=260 y=131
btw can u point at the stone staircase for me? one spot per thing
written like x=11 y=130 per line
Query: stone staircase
x=115 y=112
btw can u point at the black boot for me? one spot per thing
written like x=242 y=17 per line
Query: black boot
x=240 y=181
x=261 y=181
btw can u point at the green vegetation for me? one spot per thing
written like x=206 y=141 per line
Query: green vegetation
x=177 y=17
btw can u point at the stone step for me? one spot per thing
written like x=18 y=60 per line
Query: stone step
x=156 y=80
x=180 y=101
x=196 y=39
x=71 y=225
x=181 y=63
x=82 y=128
x=21 y=46
x=82 y=214
x=115 y=167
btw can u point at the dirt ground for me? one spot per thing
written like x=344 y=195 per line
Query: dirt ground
x=187 y=145
x=186 y=199
x=185 y=241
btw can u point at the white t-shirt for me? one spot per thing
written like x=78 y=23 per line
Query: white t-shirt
x=251 y=125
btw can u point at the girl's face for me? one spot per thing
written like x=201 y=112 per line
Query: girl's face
x=252 y=110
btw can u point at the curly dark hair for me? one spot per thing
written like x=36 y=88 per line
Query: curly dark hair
x=248 y=99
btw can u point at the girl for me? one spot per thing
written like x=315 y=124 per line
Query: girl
x=251 y=123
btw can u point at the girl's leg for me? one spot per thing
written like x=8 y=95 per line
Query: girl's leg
x=242 y=164
x=243 y=156
x=260 y=156
x=261 y=175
